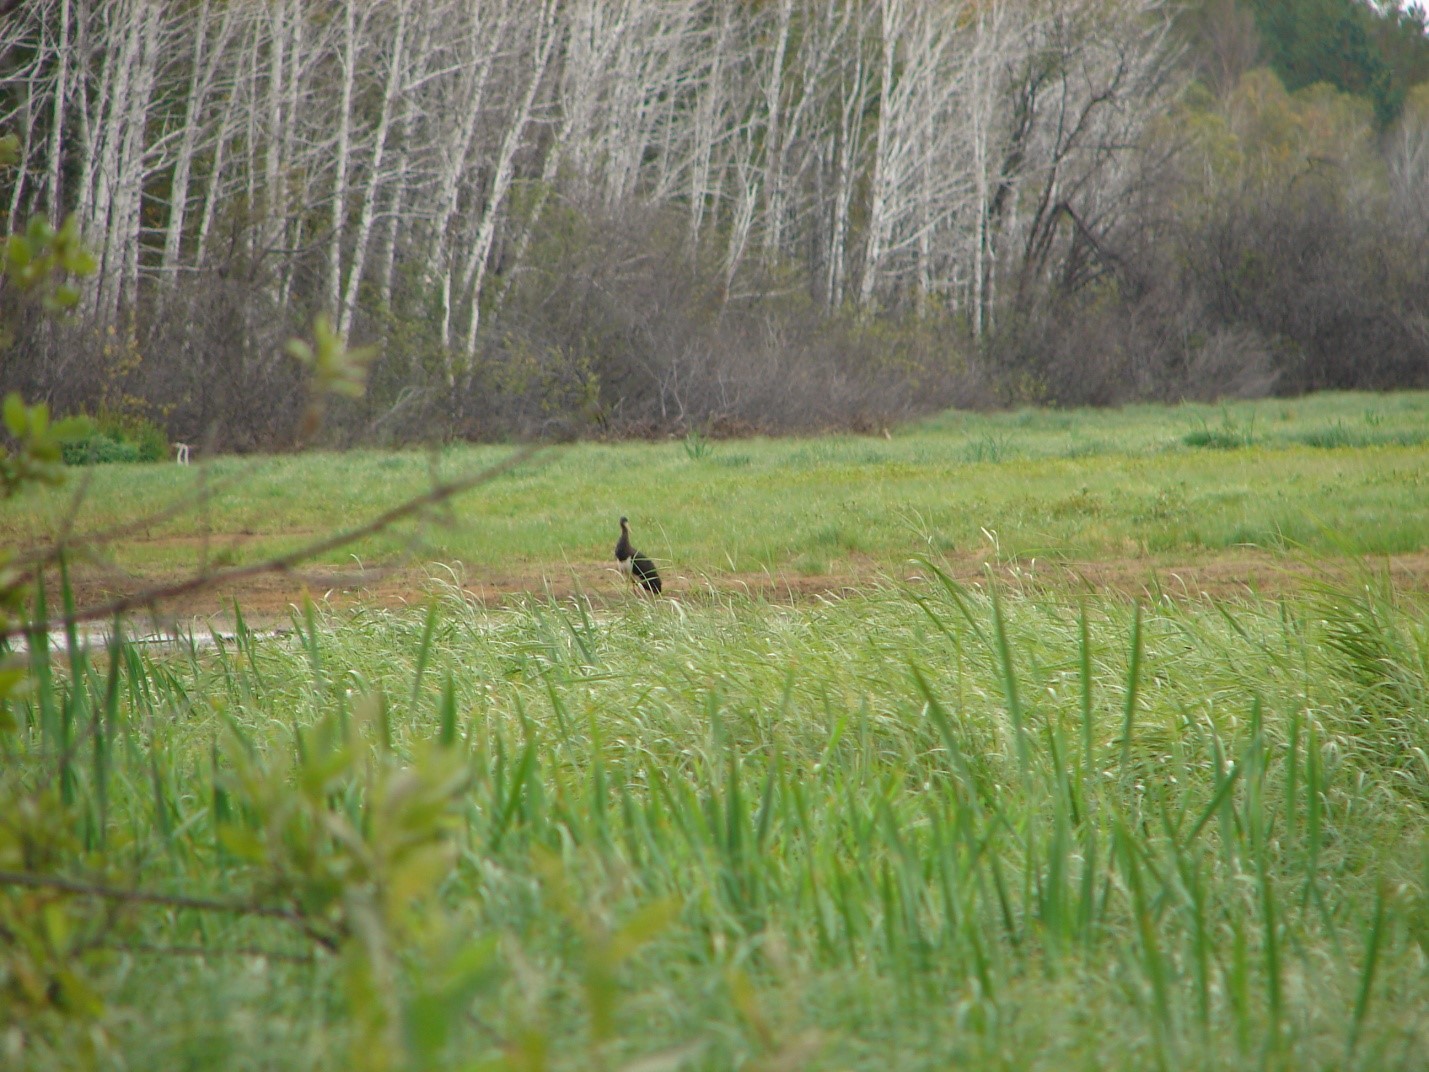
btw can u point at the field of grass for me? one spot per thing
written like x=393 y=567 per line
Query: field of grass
x=925 y=826
x=913 y=829
x=1344 y=474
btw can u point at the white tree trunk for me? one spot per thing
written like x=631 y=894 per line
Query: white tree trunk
x=890 y=27
x=543 y=45
x=337 y=217
x=481 y=40
x=57 y=120
x=208 y=58
x=776 y=143
x=375 y=174
x=125 y=221
x=709 y=120
x=848 y=156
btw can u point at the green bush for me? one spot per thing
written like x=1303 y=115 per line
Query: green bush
x=150 y=440
x=97 y=448
x=115 y=438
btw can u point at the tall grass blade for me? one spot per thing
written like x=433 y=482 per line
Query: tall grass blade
x=424 y=653
x=1084 y=667
x=446 y=715
x=1371 y=962
x=1009 y=688
x=1133 y=681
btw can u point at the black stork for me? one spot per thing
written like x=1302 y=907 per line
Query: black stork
x=633 y=564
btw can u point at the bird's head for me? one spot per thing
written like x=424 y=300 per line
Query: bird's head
x=624 y=521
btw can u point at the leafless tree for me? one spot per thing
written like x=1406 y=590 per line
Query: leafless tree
x=911 y=155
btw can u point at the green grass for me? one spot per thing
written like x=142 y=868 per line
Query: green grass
x=1329 y=473
x=920 y=828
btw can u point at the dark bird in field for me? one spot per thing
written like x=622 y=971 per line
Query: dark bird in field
x=632 y=563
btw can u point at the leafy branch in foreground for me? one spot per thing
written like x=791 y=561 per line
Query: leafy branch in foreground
x=119 y=894
x=439 y=493
x=351 y=883
x=39 y=265
x=36 y=457
x=335 y=368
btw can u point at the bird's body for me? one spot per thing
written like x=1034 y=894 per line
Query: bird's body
x=633 y=564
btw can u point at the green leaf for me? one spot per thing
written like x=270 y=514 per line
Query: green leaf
x=13 y=681
x=17 y=252
x=300 y=350
x=60 y=300
x=16 y=416
x=39 y=232
x=79 y=261
x=347 y=388
x=241 y=843
x=64 y=297
x=79 y=998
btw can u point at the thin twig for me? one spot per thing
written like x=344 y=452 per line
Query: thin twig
x=208 y=951
x=50 y=552
x=172 y=900
x=440 y=493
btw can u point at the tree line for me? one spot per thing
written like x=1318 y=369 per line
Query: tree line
x=570 y=217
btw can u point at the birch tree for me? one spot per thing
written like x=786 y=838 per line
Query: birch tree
x=545 y=35
x=709 y=120
x=210 y=54
x=943 y=149
x=917 y=81
x=1096 y=89
x=375 y=174
x=777 y=128
x=113 y=148
x=846 y=156
x=349 y=57
x=480 y=31
x=25 y=53
x=58 y=117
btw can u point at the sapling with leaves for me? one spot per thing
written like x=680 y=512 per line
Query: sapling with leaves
x=335 y=370
x=345 y=845
x=349 y=883
x=38 y=266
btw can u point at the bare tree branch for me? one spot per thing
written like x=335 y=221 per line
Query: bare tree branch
x=172 y=900
x=439 y=493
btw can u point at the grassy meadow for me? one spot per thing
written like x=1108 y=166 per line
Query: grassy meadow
x=1332 y=473
x=924 y=826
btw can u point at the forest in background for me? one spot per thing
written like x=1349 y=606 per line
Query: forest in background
x=566 y=218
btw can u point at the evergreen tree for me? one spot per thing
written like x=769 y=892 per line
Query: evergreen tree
x=1349 y=44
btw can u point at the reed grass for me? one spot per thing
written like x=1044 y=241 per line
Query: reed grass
x=924 y=827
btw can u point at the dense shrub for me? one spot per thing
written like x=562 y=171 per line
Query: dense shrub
x=117 y=438
x=1288 y=252
x=99 y=449
x=656 y=347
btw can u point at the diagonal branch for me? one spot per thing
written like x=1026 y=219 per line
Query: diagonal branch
x=439 y=493
x=172 y=900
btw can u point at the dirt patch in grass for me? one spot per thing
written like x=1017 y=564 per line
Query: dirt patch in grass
x=269 y=597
